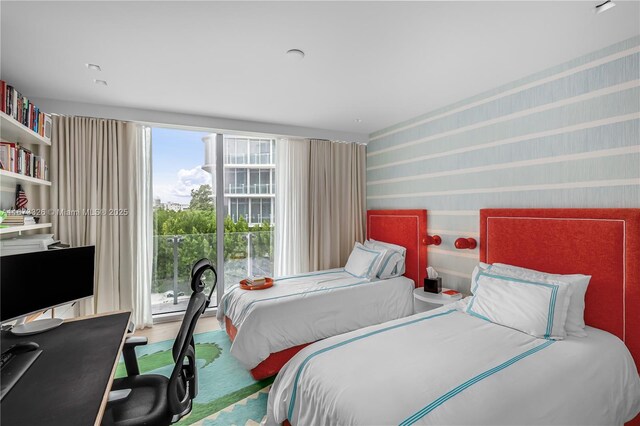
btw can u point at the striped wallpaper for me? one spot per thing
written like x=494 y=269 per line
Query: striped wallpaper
x=568 y=136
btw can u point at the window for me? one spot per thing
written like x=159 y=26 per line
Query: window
x=265 y=181
x=265 y=152
x=249 y=196
x=184 y=216
x=267 y=208
x=254 y=149
x=185 y=210
x=235 y=181
x=239 y=208
x=256 y=210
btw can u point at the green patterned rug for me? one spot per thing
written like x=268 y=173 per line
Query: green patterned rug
x=227 y=393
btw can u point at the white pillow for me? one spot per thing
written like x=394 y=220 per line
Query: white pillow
x=364 y=262
x=392 y=266
x=389 y=246
x=574 y=325
x=393 y=263
x=481 y=267
x=538 y=308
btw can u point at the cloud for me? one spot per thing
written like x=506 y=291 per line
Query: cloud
x=179 y=191
x=188 y=180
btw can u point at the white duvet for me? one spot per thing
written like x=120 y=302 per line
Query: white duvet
x=445 y=367
x=309 y=307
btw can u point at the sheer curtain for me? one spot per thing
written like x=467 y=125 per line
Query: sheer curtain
x=141 y=291
x=292 y=207
x=320 y=204
x=101 y=169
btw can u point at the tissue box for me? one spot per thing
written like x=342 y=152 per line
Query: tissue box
x=433 y=285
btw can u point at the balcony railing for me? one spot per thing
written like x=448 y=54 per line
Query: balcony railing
x=244 y=159
x=245 y=253
x=266 y=188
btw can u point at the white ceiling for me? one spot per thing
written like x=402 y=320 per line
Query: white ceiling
x=382 y=62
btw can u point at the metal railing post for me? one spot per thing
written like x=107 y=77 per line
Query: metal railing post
x=249 y=265
x=176 y=240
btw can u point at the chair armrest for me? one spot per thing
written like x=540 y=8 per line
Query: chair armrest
x=118 y=395
x=129 y=354
x=135 y=341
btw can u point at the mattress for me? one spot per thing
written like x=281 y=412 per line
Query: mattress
x=305 y=308
x=447 y=367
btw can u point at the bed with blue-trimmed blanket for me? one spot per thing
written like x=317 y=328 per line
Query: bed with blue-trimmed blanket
x=308 y=307
x=447 y=367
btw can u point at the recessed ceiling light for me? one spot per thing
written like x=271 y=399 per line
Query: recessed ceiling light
x=295 y=54
x=602 y=7
x=100 y=82
x=358 y=120
x=93 y=67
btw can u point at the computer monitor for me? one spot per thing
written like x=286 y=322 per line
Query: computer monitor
x=34 y=282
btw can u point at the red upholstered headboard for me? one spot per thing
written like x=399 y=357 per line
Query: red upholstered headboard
x=407 y=228
x=603 y=243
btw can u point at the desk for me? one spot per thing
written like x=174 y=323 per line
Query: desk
x=70 y=382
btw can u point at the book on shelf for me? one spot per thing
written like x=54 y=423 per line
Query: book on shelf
x=19 y=219
x=18 y=159
x=24 y=111
x=3 y=96
x=27 y=244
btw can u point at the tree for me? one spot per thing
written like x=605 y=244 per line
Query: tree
x=197 y=227
x=201 y=198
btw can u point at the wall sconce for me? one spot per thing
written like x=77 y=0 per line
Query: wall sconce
x=466 y=243
x=434 y=240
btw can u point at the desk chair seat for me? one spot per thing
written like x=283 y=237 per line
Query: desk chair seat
x=146 y=404
x=151 y=399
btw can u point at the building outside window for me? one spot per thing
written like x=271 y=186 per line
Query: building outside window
x=249 y=177
x=249 y=195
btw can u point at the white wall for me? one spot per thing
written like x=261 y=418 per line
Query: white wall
x=564 y=137
x=56 y=106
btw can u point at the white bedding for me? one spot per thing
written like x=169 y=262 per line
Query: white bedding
x=445 y=367
x=309 y=307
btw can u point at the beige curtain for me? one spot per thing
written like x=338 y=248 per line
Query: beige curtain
x=337 y=203
x=101 y=172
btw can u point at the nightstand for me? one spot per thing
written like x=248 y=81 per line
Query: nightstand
x=424 y=301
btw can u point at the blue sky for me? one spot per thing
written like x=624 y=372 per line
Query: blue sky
x=177 y=158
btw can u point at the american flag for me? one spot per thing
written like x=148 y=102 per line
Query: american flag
x=21 y=198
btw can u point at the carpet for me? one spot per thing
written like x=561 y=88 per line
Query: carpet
x=227 y=394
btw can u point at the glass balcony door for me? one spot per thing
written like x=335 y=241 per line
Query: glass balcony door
x=184 y=216
x=249 y=238
x=214 y=201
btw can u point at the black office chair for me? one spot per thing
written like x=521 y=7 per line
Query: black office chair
x=152 y=399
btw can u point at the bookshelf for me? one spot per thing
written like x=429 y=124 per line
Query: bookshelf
x=12 y=130
x=11 y=178
x=22 y=228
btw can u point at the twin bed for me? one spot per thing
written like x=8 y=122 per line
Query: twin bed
x=270 y=326
x=460 y=365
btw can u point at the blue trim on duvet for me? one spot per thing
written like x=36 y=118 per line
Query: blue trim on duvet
x=311 y=274
x=552 y=298
x=455 y=391
x=345 y=342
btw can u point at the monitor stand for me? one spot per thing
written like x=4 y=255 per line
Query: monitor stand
x=34 y=327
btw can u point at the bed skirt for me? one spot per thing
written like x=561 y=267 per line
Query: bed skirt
x=270 y=366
